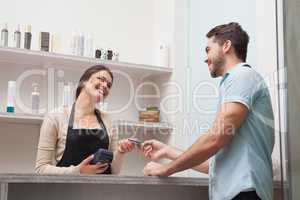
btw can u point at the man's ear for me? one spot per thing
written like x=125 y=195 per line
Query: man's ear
x=227 y=46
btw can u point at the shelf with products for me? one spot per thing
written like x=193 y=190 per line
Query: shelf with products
x=64 y=61
x=20 y=118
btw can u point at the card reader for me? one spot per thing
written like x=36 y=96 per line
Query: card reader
x=102 y=156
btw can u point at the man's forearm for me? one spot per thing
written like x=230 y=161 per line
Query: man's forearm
x=174 y=153
x=229 y=118
x=203 y=167
x=205 y=147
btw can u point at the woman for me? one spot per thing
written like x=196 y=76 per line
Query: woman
x=68 y=140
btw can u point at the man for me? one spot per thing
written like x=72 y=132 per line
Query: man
x=240 y=142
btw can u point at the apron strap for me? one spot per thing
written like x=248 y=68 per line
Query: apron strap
x=71 y=119
x=98 y=115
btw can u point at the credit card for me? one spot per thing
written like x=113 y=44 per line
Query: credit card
x=136 y=141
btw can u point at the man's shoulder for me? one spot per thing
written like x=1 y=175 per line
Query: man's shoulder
x=245 y=74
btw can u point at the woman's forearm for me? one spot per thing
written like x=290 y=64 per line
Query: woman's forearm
x=117 y=162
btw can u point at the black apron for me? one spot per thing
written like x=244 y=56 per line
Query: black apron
x=81 y=143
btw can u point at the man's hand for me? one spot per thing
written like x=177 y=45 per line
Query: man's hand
x=154 y=150
x=155 y=169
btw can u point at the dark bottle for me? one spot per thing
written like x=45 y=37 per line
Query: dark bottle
x=44 y=41
x=27 y=37
x=109 y=54
x=98 y=53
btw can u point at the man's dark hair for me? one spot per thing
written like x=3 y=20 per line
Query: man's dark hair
x=233 y=32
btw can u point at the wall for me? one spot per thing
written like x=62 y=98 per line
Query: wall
x=126 y=26
x=258 y=18
x=203 y=90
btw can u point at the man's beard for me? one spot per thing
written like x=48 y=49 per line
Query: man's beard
x=217 y=63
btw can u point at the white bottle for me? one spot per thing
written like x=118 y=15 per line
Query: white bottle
x=55 y=43
x=67 y=96
x=81 y=45
x=163 y=55
x=75 y=44
x=11 y=95
x=17 y=38
x=4 y=36
x=89 y=47
x=35 y=99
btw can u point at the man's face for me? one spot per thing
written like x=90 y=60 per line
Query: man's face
x=215 y=58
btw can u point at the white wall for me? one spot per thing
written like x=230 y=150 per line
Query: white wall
x=164 y=23
x=259 y=20
x=201 y=111
x=127 y=26
x=176 y=89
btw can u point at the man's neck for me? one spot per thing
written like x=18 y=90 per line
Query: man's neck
x=230 y=63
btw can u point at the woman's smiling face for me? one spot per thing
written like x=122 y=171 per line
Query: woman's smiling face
x=98 y=85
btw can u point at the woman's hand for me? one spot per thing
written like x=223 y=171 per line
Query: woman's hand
x=155 y=150
x=125 y=146
x=86 y=168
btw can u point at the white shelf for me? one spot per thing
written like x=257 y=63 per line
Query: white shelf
x=34 y=58
x=18 y=118
x=131 y=126
x=123 y=125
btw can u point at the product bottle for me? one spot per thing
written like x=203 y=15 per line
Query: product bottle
x=116 y=56
x=89 y=46
x=163 y=55
x=75 y=43
x=35 y=99
x=67 y=96
x=4 y=36
x=11 y=94
x=81 y=45
x=17 y=38
x=44 y=41
x=27 y=37
x=98 y=53
x=109 y=54
x=55 y=42
x=103 y=54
